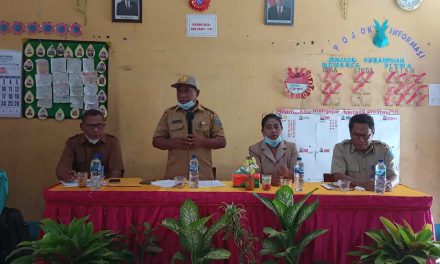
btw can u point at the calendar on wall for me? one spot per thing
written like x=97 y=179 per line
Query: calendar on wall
x=10 y=83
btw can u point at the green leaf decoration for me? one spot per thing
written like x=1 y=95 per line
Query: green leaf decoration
x=190 y=238
x=285 y=195
x=217 y=254
x=172 y=224
x=280 y=207
x=268 y=204
x=189 y=213
x=177 y=256
x=270 y=246
x=217 y=226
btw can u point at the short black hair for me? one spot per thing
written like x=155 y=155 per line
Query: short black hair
x=269 y=116
x=91 y=112
x=362 y=119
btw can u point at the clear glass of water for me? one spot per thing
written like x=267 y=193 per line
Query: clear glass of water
x=95 y=182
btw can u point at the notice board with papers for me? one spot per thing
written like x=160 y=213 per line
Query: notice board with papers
x=62 y=78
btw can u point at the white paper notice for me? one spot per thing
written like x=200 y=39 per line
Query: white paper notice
x=164 y=183
x=77 y=102
x=75 y=79
x=434 y=94
x=89 y=77
x=76 y=90
x=45 y=103
x=90 y=89
x=90 y=99
x=43 y=79
x=201 y=25
x=60 y=89
x=91 y=106
x=58 y=64
x=74 y=65
x=61 y=99
x=88 y=65
x=60 y=77
x=42 y=66
x=44 y=92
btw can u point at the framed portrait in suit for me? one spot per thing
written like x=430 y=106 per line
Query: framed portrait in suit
x=127 y=11
x=279 y=12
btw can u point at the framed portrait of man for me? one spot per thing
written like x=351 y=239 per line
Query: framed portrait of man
x=127 y=11
x=279 y=12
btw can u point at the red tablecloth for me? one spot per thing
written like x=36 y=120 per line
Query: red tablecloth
x=346 y=215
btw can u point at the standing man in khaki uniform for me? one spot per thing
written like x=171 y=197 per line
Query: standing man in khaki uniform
x=188 y=129
x=355 y=159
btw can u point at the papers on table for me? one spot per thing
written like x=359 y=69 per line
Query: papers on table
x=73 y=183
x=202 y=184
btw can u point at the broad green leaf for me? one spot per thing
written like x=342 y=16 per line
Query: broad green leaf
x=177 y=256
x=268 y=204
x=199 y=224
x=305 y=212
x=273 y=233
x=270 y=246
x=190 y=238
x=306 y=239
x=172 y=224
x=393 y=231
x=215 y=227
x=280 y=254
x=219 y=253
x=279 y=206
x=289 y=215
x=356 y=253
x=409 y=228
x=189 y=213
x=153 y=249
x=417 y=259
x=404 y=235
x=425 y=234
x=375 y=235
x=23 y=260
x=285 y=195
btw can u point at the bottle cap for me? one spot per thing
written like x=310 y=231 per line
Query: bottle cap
x=298 y=158
x=380 y=160
x=193 y=156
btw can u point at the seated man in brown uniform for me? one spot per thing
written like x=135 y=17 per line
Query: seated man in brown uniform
x=81 y=148
x=186 y=129
x=355 y=159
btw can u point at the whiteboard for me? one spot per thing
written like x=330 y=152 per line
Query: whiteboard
x=315 y=133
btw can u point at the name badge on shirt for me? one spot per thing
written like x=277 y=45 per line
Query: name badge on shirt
x=176 y=121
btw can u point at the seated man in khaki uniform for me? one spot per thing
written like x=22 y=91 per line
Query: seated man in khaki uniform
x=188 y=128
x=355 y=159
x=81 y=148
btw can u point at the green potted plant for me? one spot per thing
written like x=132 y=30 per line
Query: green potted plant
x=74 y=243
x=399 y=244
x=243 y=238
x=285 y=243
x=195 y=237
x=145 y=241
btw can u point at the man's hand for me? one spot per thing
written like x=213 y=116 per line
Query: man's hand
x=69 y=177
x=181 y=142
x=196 y=141
x=368 y=185
x=388 y=186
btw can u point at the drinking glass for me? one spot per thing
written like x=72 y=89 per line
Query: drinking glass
x=266 y=181
x=95 y=182
x=82 y=178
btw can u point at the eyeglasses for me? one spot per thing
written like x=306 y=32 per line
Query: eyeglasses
x=93 y=126
x=363 y=136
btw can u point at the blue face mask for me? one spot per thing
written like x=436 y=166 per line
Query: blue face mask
x=273 y=142
x=187 y=105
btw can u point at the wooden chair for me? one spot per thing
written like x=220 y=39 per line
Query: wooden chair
x=329 y=177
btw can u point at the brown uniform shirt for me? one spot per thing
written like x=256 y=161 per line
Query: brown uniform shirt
x=173 y=124
x=346 y=159
x=286 y=156
x=78 y=152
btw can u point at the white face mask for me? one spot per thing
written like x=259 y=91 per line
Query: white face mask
x=93 y=141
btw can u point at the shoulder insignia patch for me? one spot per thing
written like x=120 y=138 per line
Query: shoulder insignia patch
x=217 y=122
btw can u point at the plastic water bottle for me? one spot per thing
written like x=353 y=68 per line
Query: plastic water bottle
x=380 y=177
x=298 y=172
x=194 y=172
x=96 y=172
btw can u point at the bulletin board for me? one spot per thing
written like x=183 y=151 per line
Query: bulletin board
x=316 y=131
x=62 y=79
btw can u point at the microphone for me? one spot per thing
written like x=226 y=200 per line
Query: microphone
x=189 y=118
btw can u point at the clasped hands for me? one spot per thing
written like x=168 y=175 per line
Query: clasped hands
x=189 y=142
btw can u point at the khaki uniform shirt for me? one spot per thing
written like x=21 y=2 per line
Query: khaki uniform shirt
x=78 y=152
x=346 y=159
x=173 y=123
x=285 y=156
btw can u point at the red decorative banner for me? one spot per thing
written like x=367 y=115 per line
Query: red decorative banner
x=299 y=83
x=199 y=5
